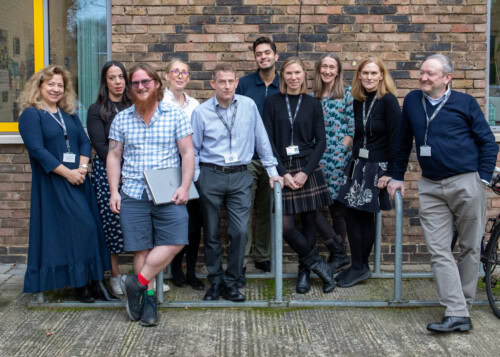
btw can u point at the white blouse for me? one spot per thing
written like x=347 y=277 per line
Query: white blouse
x=189 y=104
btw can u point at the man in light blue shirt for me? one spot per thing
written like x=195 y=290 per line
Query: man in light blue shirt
x=227 y=130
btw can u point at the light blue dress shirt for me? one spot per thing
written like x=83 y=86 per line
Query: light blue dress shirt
x=211 y=137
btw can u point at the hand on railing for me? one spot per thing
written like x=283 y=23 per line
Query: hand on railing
x=395 y=185
x=274 y=179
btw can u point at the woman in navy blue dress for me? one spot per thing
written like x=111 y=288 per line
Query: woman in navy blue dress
x=66 y=241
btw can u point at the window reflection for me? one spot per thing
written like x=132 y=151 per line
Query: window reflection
x=16 y=54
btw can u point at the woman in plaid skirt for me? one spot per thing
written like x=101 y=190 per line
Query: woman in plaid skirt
x=294 y=121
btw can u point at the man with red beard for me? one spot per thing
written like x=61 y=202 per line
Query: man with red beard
x=149 y=135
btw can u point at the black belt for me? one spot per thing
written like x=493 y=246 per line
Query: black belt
x=225 y=169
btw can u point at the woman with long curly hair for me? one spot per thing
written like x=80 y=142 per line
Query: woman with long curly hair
x=66 y=241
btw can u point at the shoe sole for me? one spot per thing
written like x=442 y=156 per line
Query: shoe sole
x=124 y=288
x=148 y=325
x=358 y=280
x=459 y=328
x=233 y=300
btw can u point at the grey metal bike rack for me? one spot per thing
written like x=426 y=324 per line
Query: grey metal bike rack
x=277 y=273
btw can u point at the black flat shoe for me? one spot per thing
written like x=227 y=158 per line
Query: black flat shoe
x=195 y=283
x=451 y=324
x=264 y=266
x=83 y=294
x=232 y=294
x=213 y=293
x=354 y=277
x=100 y=291
x=179 y=280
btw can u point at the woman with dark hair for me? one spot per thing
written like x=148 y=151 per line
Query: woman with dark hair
x=376 y=114
x=113 y=97
x=66 y=243
x=294 y=122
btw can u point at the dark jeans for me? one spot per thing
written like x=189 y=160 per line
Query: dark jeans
x=233 y=190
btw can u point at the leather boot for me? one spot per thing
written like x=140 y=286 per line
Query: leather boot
x=303 y=280
x=83 y=294
x=323 y=270
x=337 y=259
x=100 y=291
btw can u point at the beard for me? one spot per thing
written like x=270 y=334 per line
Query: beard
x=144 y=106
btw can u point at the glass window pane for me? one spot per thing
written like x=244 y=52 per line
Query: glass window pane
x=494 y=80
x=77 y=37
x=16 y=54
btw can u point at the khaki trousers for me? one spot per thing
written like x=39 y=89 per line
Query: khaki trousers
x=459 y=200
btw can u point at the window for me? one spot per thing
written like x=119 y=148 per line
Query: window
x=73 y=33
x=16 y=54
x=77 y=41
x=494 y=70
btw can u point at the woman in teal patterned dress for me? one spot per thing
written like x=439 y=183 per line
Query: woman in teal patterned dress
x=337 y=103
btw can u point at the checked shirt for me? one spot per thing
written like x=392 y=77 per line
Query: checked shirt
x=150 y=146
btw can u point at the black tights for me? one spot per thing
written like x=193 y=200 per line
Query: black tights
x=361 y=235
x=335 y=231
x=301 y=242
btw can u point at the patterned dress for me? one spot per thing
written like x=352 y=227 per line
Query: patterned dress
x=339 y=122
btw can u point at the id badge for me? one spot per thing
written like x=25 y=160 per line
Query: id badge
x=364 y=153
x=69 y=157
x=231 y=158
x=292 y=150
x=425 y=150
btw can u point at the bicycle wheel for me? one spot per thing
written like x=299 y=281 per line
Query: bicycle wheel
x=492 y=273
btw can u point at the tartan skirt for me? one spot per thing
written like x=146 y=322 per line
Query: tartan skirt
x=313 y=195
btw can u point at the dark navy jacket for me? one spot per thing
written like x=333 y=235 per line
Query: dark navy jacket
x=254 y=87
x=460 y=138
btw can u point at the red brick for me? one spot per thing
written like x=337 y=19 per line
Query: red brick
x=462 y=28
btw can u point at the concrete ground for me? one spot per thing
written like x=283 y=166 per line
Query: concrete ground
x=26 y=331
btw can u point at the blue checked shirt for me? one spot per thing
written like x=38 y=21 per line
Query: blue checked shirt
x=148 y=147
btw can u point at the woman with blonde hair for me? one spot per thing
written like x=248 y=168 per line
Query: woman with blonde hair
x=177 y=77
x=376 y=115
x=66 y=240
x=294 y=122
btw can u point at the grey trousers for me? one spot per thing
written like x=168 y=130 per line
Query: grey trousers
x=233 y=190
x=459 y=199
x=261 y=200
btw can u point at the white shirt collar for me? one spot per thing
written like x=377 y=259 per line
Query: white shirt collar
x=439 y=100
x=171 y=98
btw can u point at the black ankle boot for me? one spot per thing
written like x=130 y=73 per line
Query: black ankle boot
x=337 y=259
x=100 y=291
x=303 y=280
x=83 y=294
x=323 y=270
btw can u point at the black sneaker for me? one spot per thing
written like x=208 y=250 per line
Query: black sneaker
x=133 y=291
x=149 y=315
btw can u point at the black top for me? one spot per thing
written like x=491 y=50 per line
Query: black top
x=382 y=128
x=99 y=130
x=308 y=129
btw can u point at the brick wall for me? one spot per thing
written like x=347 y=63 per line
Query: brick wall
x=204 y=32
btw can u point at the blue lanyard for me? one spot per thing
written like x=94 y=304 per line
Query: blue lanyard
x=61 y=123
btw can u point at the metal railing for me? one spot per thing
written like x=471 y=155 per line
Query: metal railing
x=278 y=275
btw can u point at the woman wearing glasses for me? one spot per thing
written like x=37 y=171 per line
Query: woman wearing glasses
x=177 y=77
x=376 y=117
x=113 y=97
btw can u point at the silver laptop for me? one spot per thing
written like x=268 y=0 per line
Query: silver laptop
x=163 y=184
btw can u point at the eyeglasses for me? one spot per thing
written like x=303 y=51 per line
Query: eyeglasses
x=146 y=83
x=176 y=73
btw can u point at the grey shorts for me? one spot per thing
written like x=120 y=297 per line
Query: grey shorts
x=146 y=226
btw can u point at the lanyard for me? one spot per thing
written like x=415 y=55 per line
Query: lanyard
x=229 y=128
x=366 y=116
x=61 y=123
x=432 y=116
x=290 y=117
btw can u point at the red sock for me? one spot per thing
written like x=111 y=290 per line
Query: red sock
x=142 y=280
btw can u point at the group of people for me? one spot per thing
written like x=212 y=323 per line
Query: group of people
x=339 y=147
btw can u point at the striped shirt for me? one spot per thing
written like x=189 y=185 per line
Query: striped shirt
x=150 y=146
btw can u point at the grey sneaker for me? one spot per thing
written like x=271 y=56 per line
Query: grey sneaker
x=133 y=291
x=149 y=315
